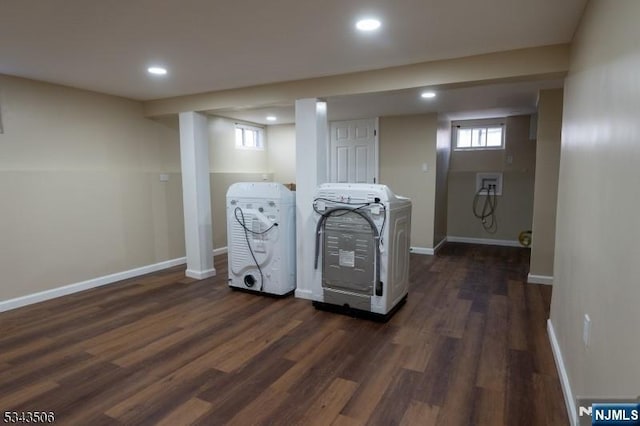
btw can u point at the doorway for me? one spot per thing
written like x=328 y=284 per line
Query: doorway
x=354 y=151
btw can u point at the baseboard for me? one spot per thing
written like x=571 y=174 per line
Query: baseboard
x=539 y=279
x=30 y=299
x=439 y=245
x=303 y=294
x=569 y=400
x=18 y=302
x=422 y=250
x=219 y=250
x=486 y=241
x=200 y=275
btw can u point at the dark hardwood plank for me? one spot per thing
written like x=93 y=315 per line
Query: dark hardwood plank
x=397 y=399
x=457 y=407
x=434 y=383
x=493 y=358
x=249 y=382
x=519 y=391
x=326 y=408
x=489 y=406
x=419 y=413
x=469 y=347
x=374 y=381
x=186 y=413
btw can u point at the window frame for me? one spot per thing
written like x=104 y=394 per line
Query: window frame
x=259 y=132
x=485 y=124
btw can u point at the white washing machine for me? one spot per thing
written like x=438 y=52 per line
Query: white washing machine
x=362 y=248
x=261 y=237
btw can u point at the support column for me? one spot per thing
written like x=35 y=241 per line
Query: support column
x=545 y=194
x=196 y=195
x=311 y=171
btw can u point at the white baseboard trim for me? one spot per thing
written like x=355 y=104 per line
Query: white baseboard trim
x=18 y=302
x=427 y=250
x=200 y=275
x=422 y=250
x=439 y=245
x=220 y=250
x=303 y=294
x=486 y=241
x=30 y=299
x=569 y=400
x=539 y=279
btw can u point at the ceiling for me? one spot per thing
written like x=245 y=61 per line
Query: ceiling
x=106 y=46
x=486 y=101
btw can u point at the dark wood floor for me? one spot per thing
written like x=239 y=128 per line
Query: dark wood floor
x=469 y=348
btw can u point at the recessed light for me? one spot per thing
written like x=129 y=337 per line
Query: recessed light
x=271 y=118
x=157 y=70
x=368 y=24
x=428 y=95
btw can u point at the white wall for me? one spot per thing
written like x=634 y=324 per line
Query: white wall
x=80 y=188
x=598 y=225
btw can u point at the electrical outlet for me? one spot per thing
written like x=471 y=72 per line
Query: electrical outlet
x=586 y=330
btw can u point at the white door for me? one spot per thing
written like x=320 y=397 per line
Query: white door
x=354 y=151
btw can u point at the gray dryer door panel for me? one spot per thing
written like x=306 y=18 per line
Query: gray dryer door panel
x=349 y=254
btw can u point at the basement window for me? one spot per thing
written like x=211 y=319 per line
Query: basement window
x=478 y=135
x=249 y=137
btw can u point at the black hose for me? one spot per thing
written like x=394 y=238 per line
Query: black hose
x=246 y=236
x=374 y=228
x=488 y=214
x=360 y=206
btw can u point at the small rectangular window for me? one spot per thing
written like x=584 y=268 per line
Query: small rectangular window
x=478 y=134
x=249 y=137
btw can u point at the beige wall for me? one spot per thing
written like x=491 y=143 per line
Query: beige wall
x=405 y=143
x=281 y=152
x=220 y=183
x=80 y=189
x=230 y=165
x=597 y=250
x=224 y=157
x=520 y=64
x=515 y=206
x=546 y=182
x=442 y=179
